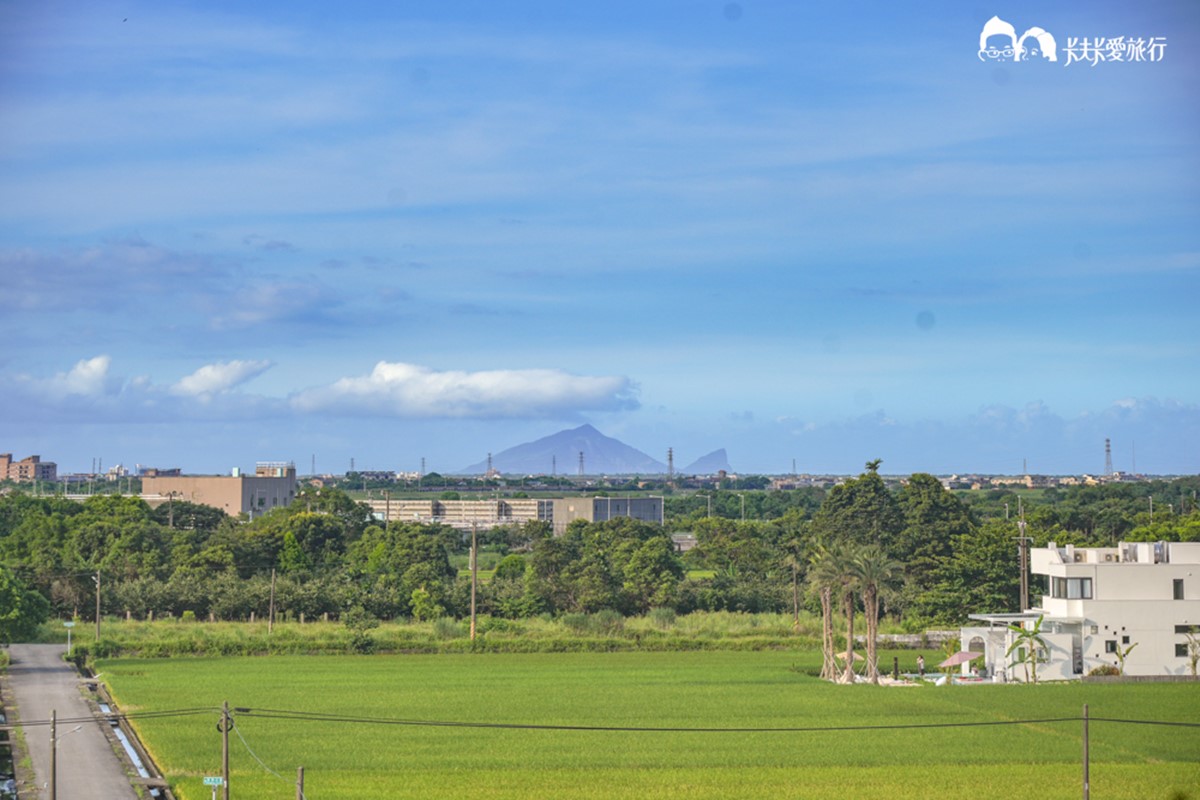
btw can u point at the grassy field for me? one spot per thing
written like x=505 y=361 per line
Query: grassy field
x=716 y=630
x=347 y=761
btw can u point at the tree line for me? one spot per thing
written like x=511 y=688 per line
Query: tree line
x=918 y=552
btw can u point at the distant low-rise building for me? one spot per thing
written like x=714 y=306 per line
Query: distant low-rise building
x=559 y=512
x=273 y=485
x=27 y=470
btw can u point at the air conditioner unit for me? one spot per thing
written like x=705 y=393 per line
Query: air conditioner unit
x=1110 y=557
x=1079 y=557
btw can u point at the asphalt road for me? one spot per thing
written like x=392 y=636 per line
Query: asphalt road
x=88 y=769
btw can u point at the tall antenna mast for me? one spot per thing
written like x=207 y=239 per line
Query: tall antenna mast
x=554 y=466
x=581 y=473
x=670 y=463
x=489 y=469
x=422 y=474
x=1108 y=470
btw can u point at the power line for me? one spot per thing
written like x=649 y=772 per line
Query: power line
x=139 y=715
x=310 y=716
x=315 y=716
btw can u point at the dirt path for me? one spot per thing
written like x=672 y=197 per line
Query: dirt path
x=88 y=769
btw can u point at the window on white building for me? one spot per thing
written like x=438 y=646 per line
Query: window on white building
x=1110 y=646
x=1181 y=650
x=1178 y=588
x=1071 y=588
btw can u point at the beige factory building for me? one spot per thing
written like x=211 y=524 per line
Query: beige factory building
x=272 y=485
x=559 y=511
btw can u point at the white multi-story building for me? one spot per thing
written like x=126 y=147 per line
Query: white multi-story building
x=1100 y=602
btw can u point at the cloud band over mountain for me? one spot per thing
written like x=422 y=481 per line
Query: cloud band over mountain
x=409 y=390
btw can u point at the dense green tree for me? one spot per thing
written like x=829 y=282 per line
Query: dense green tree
x=933 y=518
x=407 y=556
x=982 y=575
x=861 y=511
x=22 y=609
x=185 y=514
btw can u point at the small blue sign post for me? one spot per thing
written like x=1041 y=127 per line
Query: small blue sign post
x=214 y=781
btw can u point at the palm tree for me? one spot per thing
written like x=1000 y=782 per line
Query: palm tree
x=847 y=584
x=823 y=575
x=875 y=572
x=834 y=572
x=794 y=562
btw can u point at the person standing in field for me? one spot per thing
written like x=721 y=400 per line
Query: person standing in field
x=921 y=666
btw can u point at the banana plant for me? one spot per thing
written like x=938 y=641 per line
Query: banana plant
x=1027 y=644
x=1121 y=654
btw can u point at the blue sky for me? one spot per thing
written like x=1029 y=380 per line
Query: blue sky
x=826 y=232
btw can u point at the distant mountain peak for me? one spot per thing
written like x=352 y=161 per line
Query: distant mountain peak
x=711 y=464
x=559 y=452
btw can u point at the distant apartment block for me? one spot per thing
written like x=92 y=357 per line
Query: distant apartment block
x=559 y=512
x=272 y=485
x=27 y=470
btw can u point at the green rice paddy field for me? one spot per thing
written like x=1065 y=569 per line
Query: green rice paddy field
x=349 y=760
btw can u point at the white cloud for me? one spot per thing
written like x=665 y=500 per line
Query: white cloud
x=219 y=377
x=399 y=389
x=88 y=392
x=88 y=378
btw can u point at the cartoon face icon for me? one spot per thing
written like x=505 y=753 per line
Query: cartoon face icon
x=1035 y=44
x=998 y=48
x=997 y=41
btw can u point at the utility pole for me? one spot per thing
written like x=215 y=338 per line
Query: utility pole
x=226 y=724
x=53 y=754
x=474 y=574
x=97 y=605
x=1023 y=553
x=271 y=609
x=1086 y=781
x=387 y=508
x=299 y=783
x=795 y=597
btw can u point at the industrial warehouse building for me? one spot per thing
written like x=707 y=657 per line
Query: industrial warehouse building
x=558 y=512
x=272 y=485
